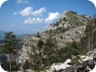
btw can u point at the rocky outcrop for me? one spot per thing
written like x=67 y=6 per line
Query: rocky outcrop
x=87 y=65
x=83 y=67
x=60 y=66
x=70 y=27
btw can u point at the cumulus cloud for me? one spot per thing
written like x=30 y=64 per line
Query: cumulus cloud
x=35 y=16
x=22 y=1
x=31 y=20
x=39 y=12
x=28 y=11
x=51 y=17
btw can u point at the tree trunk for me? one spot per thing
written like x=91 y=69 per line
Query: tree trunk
x=10 y=62
x=22 y=70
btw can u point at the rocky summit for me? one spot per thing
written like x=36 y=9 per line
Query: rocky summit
x=70 y=27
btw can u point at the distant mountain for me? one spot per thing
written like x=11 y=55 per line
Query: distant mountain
x=19 y=36
x=1 y=35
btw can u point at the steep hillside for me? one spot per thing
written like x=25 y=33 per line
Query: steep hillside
x=50 y=46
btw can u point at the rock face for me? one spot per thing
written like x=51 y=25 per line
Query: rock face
x=69 y=27
x=27 y=47
x=60 y=66
x=86 y=66
x=83 y=67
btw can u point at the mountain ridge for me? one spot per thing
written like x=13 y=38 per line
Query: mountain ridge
x=70 y=27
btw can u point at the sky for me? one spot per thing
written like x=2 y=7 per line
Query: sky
x=32 y=16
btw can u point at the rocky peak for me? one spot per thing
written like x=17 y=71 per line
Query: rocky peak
x=69 y=19
x=70 y=27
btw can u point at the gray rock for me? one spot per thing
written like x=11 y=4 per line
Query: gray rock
x=83 y=67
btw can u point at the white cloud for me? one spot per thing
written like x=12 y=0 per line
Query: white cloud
x=28 y=11
x=52 y=17
x=39 y=12
x=22 y=1
x=31 y=20
x=49 y=19
x=34 y=16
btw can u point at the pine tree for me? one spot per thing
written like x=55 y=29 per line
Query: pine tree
x=10 y=46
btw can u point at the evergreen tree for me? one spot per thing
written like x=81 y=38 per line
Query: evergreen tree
x=10 y=46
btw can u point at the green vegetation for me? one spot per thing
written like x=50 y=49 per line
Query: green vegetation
x=10 y=47
x=14 y=66
x=75 y=61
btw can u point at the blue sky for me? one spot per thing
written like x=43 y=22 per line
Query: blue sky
x=32 y=16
